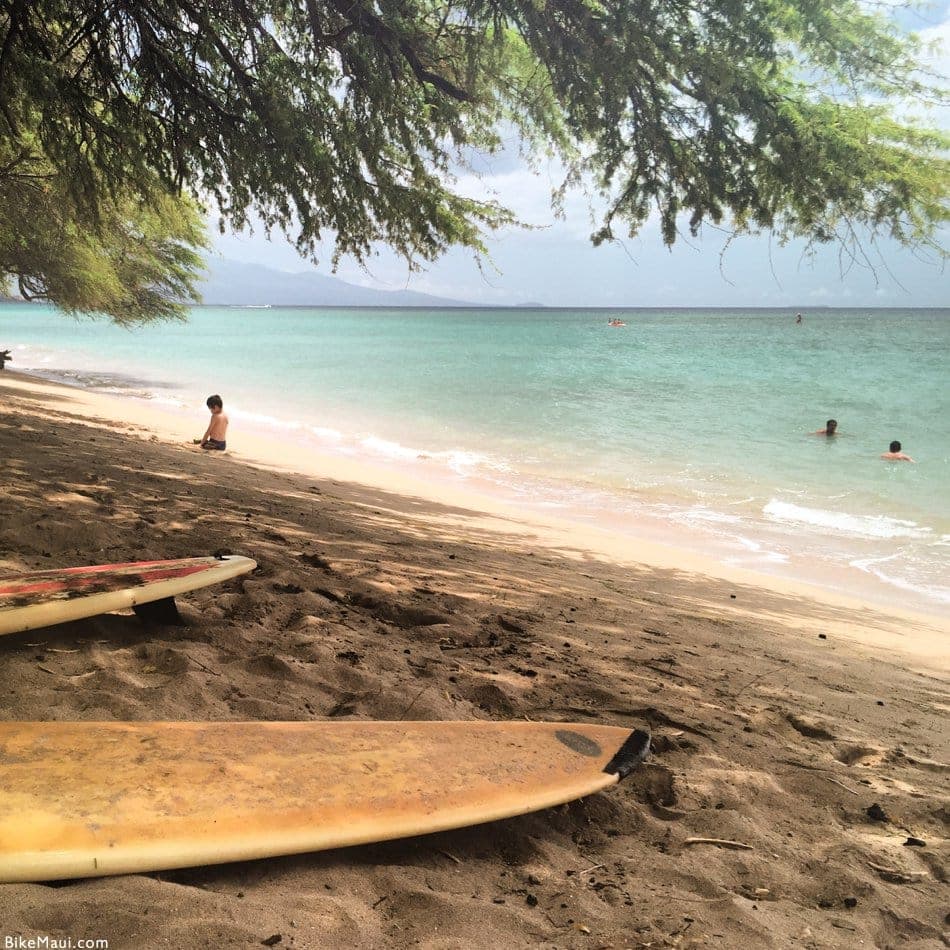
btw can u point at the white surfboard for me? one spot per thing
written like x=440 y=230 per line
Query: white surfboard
x=43 y=598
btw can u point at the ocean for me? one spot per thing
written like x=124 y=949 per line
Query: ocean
x=690 y=425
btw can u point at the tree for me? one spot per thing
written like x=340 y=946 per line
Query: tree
x=133 y=260
x=347 y=116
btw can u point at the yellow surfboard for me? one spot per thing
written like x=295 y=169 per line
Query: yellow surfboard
x=83 y=799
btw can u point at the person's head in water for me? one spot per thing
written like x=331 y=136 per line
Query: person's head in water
x=214 y=402
x=830 y=426
x=896 y=454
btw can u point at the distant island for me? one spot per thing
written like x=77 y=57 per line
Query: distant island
x=235 y=283
x=231 y=283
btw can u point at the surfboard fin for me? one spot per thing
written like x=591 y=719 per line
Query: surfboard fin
x=163 y=611
x=634 y=750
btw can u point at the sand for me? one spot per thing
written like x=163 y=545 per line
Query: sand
x=781 y=715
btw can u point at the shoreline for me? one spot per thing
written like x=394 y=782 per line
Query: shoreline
x=580 y=533
x=779 y=504
x=810 y=729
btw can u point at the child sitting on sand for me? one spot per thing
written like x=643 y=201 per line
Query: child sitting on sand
x=218 y=427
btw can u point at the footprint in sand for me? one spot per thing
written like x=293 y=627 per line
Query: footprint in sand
x=857 y=754
x=270 y=665
x=811 y=727
x=655 y=785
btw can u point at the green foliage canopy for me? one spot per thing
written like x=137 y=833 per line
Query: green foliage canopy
x=133 y=260
x=346 y=117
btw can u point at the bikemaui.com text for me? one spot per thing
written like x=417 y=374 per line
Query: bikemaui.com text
x=45 y=942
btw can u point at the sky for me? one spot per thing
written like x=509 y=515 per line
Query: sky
x=555 y=264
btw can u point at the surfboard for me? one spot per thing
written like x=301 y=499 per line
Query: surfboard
x=86 y=799
x=42 y=598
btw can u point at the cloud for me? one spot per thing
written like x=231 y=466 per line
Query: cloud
x=554 y=263
x=936 y=57
x=937 y=40
x=528 y=193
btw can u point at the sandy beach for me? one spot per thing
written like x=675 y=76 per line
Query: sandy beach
x=809 y=728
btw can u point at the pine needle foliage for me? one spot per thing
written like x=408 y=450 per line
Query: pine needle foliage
x=347 y=118
x=135 y=259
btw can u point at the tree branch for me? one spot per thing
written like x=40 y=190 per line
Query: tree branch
x=372 y=26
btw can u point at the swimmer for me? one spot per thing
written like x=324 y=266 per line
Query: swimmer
x=831 y=428
x=895 y=454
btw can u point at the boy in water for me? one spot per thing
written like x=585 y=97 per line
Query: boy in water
x=895 y=454
x=831 y=428
x=217 y=428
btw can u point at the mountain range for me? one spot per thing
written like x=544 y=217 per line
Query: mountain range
x=236 y=283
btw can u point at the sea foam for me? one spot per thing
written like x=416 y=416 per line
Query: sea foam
x=840 y=522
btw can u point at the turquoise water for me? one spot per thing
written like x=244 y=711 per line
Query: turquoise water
x=698 y=419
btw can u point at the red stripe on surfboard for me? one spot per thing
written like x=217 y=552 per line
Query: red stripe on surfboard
x=79 y=578
x=108 y=568
x=117 y=568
